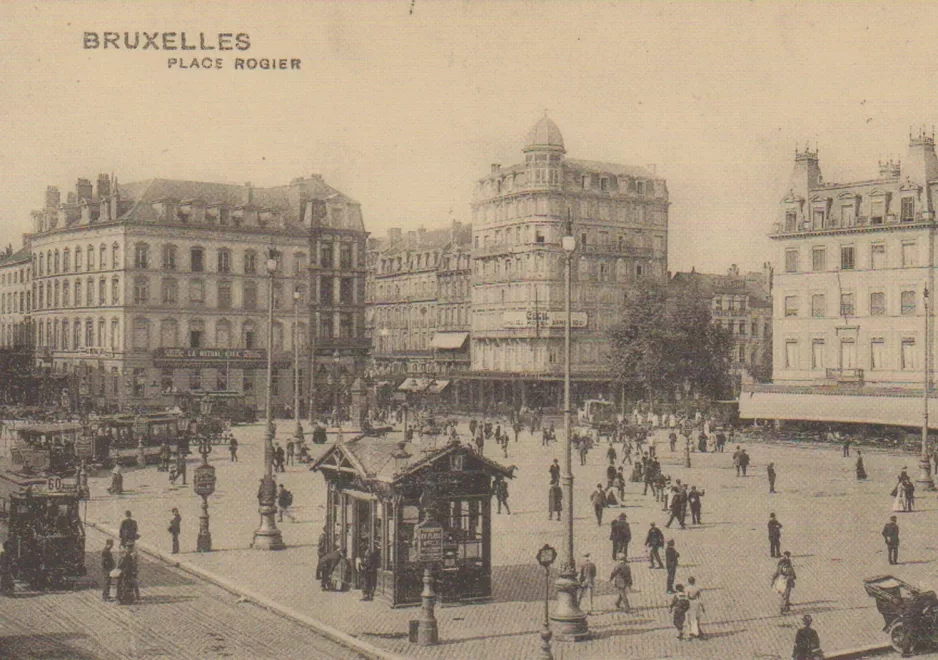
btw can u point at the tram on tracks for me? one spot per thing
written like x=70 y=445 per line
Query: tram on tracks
x=41 y=529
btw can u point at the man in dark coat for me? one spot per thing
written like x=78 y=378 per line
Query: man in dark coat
x=598 y=499
x=620 y=534
x=107 y=565
x=370 y=564
x=807 y=642
x=554 y=473
x=891 y=535
x=670 y=562
x=621 y=579
x=744 y=461
x=693 y=501
x=775 y=537
x=653 y=541
x=128 y=529
x=554 y=501
x=770 y=471
x=175 y=527
x=677 y=507
x=324 y=569
x=500 y=490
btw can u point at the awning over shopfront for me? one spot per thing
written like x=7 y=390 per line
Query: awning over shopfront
x=427 y=385
x=449 y=340
x=437 y=386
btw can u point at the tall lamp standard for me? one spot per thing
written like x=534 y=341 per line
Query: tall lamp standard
x=336 y=359
x=924 y=480
x=297 y=295
x=569 y=620
x=267 y=536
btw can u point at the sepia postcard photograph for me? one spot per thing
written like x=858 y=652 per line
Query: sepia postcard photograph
x=310 y=311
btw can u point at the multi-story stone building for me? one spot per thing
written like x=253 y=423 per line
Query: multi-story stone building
x=741 y=304
x=419 y=309
x=619 y=216
x=854 y=262
x=148 y=290
x=16 y=300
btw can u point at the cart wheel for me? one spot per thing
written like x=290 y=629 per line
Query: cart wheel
x=898 y=634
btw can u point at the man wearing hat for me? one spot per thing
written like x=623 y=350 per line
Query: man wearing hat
x=175 y=527
x=621 y=579
x=620 y=535
x=807 y=642
x=783 y=581
x=891 y=535
x=587 y=580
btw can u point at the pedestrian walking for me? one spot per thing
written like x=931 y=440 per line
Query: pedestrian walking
x=128 y=590
x=611 y=454
x=324 y=569
x=620 y=534
x=501 y=494
x=554 y=501
x=679 y=607
x=846 y=447
x=621 y=579
x=677 y=507
x=672 y=440
x=693 y=501
x=696 y=610
x=654 y=541
x=279 y=459
x=554 y=472
x=770 y=471
x=775 y=537
x=736 y=457
x=175 y=527
x=783 y=581
x=128 y=529
x=861 y=469
x=671 y=556
x=233 y=448
x=744 y=461
x=891 y=536
x=284 y=502
x=587 y=581
x=342 y=573
x=598 y=499
x=291 y=451
x=369 y=573
x=620 y=485
x=807 y=642
x=107 y=566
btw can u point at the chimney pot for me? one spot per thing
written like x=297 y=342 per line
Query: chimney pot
x=496 y=167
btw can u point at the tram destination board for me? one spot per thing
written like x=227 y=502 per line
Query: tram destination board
x=429 y=542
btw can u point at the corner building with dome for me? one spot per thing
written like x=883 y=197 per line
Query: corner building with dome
x=619 y=217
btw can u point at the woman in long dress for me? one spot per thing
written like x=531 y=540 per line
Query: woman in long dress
x=861 y=470
x=900 y=503
x=696 y=609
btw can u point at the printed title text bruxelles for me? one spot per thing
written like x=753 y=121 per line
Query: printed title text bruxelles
x=183 y=41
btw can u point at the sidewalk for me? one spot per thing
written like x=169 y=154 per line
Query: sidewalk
x=727 y=554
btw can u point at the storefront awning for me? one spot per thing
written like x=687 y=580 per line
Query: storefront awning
x=437 y=386
x=450 y=340
x=412 y=385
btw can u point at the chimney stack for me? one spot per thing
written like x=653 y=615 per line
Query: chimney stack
x=394 y=236
x=83 y=190
x=496 y=167
x=104 y=186
x=53 y=197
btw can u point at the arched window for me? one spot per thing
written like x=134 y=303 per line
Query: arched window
x=42 y=263
x=116 y=256
x=102 y=291
x=102 y=257
x=89 y=332
x=78 y=254
x=55 y=269
x=89 y=292
x=65 y=332
x=57 y=298
x=89 y=264
x=76 y=335
x=66 y=294
x=102 y=329
x=248 y=335
x=115 y=290
x=77 y=293
x=66 y=260
x=196 y=333
x=115 y=334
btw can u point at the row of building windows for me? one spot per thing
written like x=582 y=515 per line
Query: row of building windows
x=624 y=212
x=51 y=262
x=909 y=257
x=539 y=171
x=602 y=239
x=65 y=335
x=848 y=307
x=14 y=277
x=408 y=316
x=849 y=214
x=879 y=356
x=62 y=293
x=15 y=302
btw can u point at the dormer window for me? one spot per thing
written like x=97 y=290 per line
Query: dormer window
x=604 y=184
x=640 y=187
x=907 y=212
x=585 y=181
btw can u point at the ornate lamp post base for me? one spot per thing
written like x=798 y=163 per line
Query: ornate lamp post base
x=428 y=633
x=569 y=621
x=267 y=536
x=203 y=542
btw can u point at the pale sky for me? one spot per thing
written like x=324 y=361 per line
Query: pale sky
x=404 y=111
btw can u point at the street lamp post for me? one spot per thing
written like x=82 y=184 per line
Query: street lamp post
x=924 y=480
x=336 y=359
x=267 y=536
x=569 y=620
x=546 y=557
x=296 y=365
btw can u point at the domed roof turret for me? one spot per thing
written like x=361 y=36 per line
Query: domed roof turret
x=544 y=136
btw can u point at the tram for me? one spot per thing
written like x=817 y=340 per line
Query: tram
x=46 y=446
x=41 y=530
x=122 y=434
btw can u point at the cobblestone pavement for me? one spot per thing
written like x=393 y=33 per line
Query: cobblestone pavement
x=178 y=617
x=831 y=522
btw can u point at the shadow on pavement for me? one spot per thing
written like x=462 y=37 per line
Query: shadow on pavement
x=48 y=647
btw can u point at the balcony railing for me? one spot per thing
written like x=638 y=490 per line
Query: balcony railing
x=845 y=375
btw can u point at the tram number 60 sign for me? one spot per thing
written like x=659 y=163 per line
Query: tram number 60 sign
x=54 y=484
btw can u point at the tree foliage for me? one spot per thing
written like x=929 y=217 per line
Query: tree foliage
x=664 y=342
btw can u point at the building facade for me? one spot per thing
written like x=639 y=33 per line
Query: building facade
x=741 y=304
x=16 y=300
x=854 y=260
x=619 y=217
x=419 y=310
x=153 y=289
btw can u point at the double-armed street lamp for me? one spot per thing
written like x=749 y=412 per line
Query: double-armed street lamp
x=569 y=620
x=267 y=536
